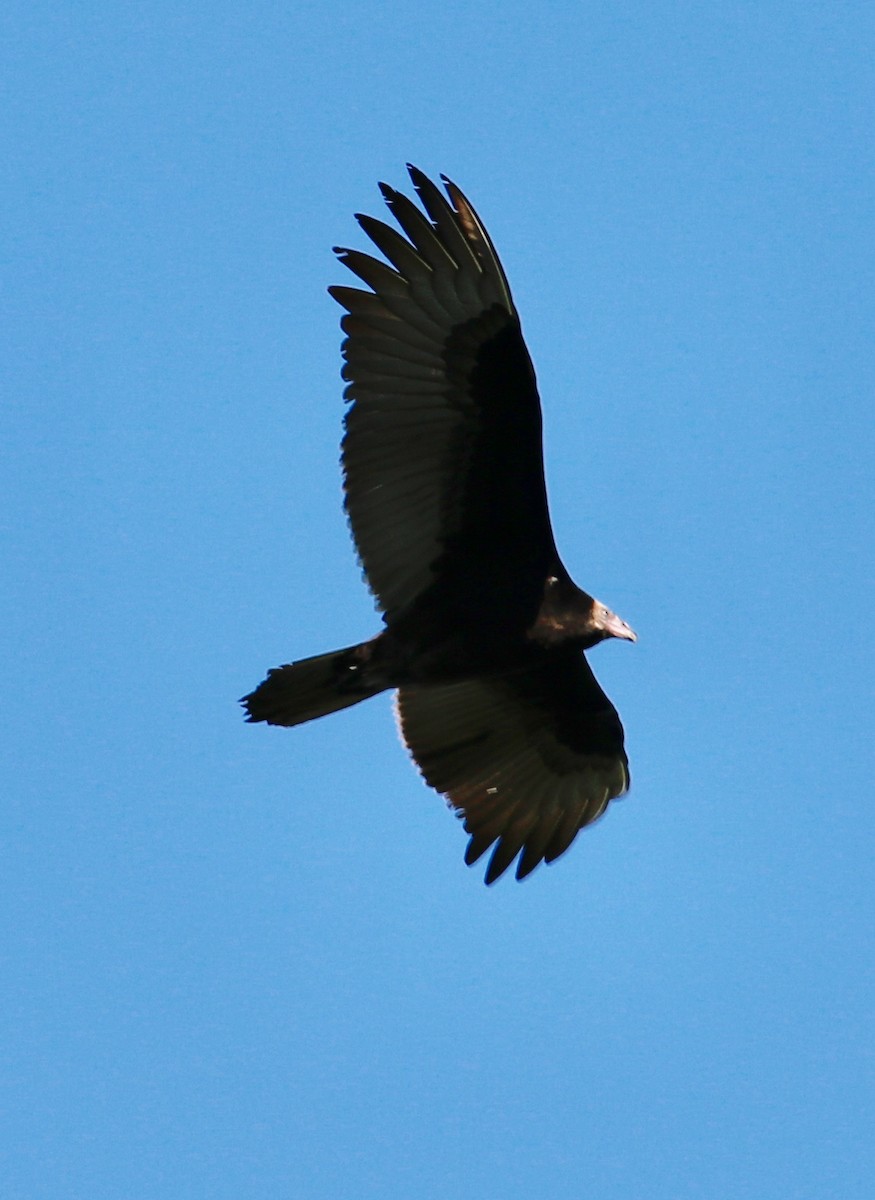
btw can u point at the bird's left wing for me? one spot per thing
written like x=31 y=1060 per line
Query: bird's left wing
x=442 y=458
x=527 y=758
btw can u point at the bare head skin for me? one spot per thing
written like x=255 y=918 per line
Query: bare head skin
x=610 y=625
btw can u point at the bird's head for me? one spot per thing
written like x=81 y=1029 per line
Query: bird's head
x=606 y=624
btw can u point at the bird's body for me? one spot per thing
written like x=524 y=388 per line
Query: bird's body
x=444 y=482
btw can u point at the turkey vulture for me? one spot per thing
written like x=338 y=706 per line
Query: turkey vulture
x=484 y=631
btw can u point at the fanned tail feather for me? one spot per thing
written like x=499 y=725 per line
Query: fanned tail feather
x=311 y=688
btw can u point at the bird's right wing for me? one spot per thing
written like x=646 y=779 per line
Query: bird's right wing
x=442 y=458
x=527 y=758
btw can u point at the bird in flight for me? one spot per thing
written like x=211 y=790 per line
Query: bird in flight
x=484 y=630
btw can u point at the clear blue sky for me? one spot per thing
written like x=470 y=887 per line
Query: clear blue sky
x=244 y=962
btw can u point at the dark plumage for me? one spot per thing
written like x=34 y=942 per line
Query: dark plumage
x=444 y=482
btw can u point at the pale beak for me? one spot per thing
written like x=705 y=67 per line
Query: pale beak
x=614 y=626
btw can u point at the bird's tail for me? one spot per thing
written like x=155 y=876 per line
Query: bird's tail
x=313 y=687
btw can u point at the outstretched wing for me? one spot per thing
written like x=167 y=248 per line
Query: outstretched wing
x=442 y=457
x=527 y=758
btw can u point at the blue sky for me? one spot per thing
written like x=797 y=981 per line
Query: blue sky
x=248 y=962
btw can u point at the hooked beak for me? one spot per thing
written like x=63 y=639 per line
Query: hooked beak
x=615 y=626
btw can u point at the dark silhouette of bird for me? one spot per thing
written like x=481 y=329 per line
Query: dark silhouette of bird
x=484 y=631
